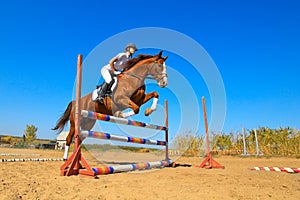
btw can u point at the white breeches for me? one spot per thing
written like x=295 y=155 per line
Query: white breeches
x=105 y=72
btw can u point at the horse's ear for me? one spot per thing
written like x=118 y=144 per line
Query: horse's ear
x=159 y=54
x=165 y=58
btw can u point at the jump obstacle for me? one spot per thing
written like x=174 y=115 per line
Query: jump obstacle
x=131 y=167
x=18 y=154
x=108 y=118
x=277 y=169
x=26 y=159
x=30 y=159
x=76 y=164
x=107 y=136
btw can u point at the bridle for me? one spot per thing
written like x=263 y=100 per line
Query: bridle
x=154 y=76
x=157 y=74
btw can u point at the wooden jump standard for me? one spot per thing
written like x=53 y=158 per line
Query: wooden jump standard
x=208 y=162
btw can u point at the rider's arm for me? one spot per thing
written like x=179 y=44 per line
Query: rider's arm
x=111 y=63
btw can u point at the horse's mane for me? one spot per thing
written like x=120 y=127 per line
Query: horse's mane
x=135 y=60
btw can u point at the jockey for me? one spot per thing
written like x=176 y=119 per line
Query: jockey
x=115 y=67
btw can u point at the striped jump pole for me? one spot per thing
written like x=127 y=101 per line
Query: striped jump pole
x=30 y=159
x=18 y=154
x=108 y=118
x=107 y=136
x=277 y=169
x=131 y=167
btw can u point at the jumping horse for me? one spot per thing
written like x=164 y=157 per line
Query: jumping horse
x=129 y=93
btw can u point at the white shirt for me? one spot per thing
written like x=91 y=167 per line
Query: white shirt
x=122 y=59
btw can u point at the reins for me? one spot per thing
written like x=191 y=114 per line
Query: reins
x=148 y=77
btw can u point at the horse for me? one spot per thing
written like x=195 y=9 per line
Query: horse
x=129 y=93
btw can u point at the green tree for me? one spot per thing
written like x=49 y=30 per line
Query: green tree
x=30 y=133
x=224 y=142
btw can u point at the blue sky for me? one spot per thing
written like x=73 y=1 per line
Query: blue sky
x=255 y=46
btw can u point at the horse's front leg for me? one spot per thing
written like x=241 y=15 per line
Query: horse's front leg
x=149 y=96
x=127 y=103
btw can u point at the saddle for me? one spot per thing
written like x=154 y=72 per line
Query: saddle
x=103 y=90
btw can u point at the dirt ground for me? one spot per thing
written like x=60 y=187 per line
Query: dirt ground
x=42 y=180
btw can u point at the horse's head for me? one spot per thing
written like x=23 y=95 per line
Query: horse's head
x=147 y=65
x=159 y=70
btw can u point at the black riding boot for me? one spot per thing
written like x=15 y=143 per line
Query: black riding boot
x=109 y=92
x=101 y=93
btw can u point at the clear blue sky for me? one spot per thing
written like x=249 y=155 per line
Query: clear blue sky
x=254 y=44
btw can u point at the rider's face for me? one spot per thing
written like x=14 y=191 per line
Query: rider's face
x=131 y=50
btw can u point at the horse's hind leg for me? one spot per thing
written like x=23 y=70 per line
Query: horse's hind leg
x=68 y=141
x=149 y=96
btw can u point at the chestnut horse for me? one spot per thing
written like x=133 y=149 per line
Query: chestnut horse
x=129 y=93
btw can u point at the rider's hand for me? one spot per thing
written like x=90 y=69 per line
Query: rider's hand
x=117 y=73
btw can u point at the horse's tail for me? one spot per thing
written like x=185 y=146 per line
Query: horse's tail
x=60 y=125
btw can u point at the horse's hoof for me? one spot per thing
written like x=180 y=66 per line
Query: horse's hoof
x=148 y=111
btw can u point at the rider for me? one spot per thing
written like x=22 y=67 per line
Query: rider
x=115 y=67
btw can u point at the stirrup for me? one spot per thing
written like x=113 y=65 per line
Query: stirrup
x=109 y=92
x=101 y=99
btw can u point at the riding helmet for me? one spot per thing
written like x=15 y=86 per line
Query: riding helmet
x=130 y=45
